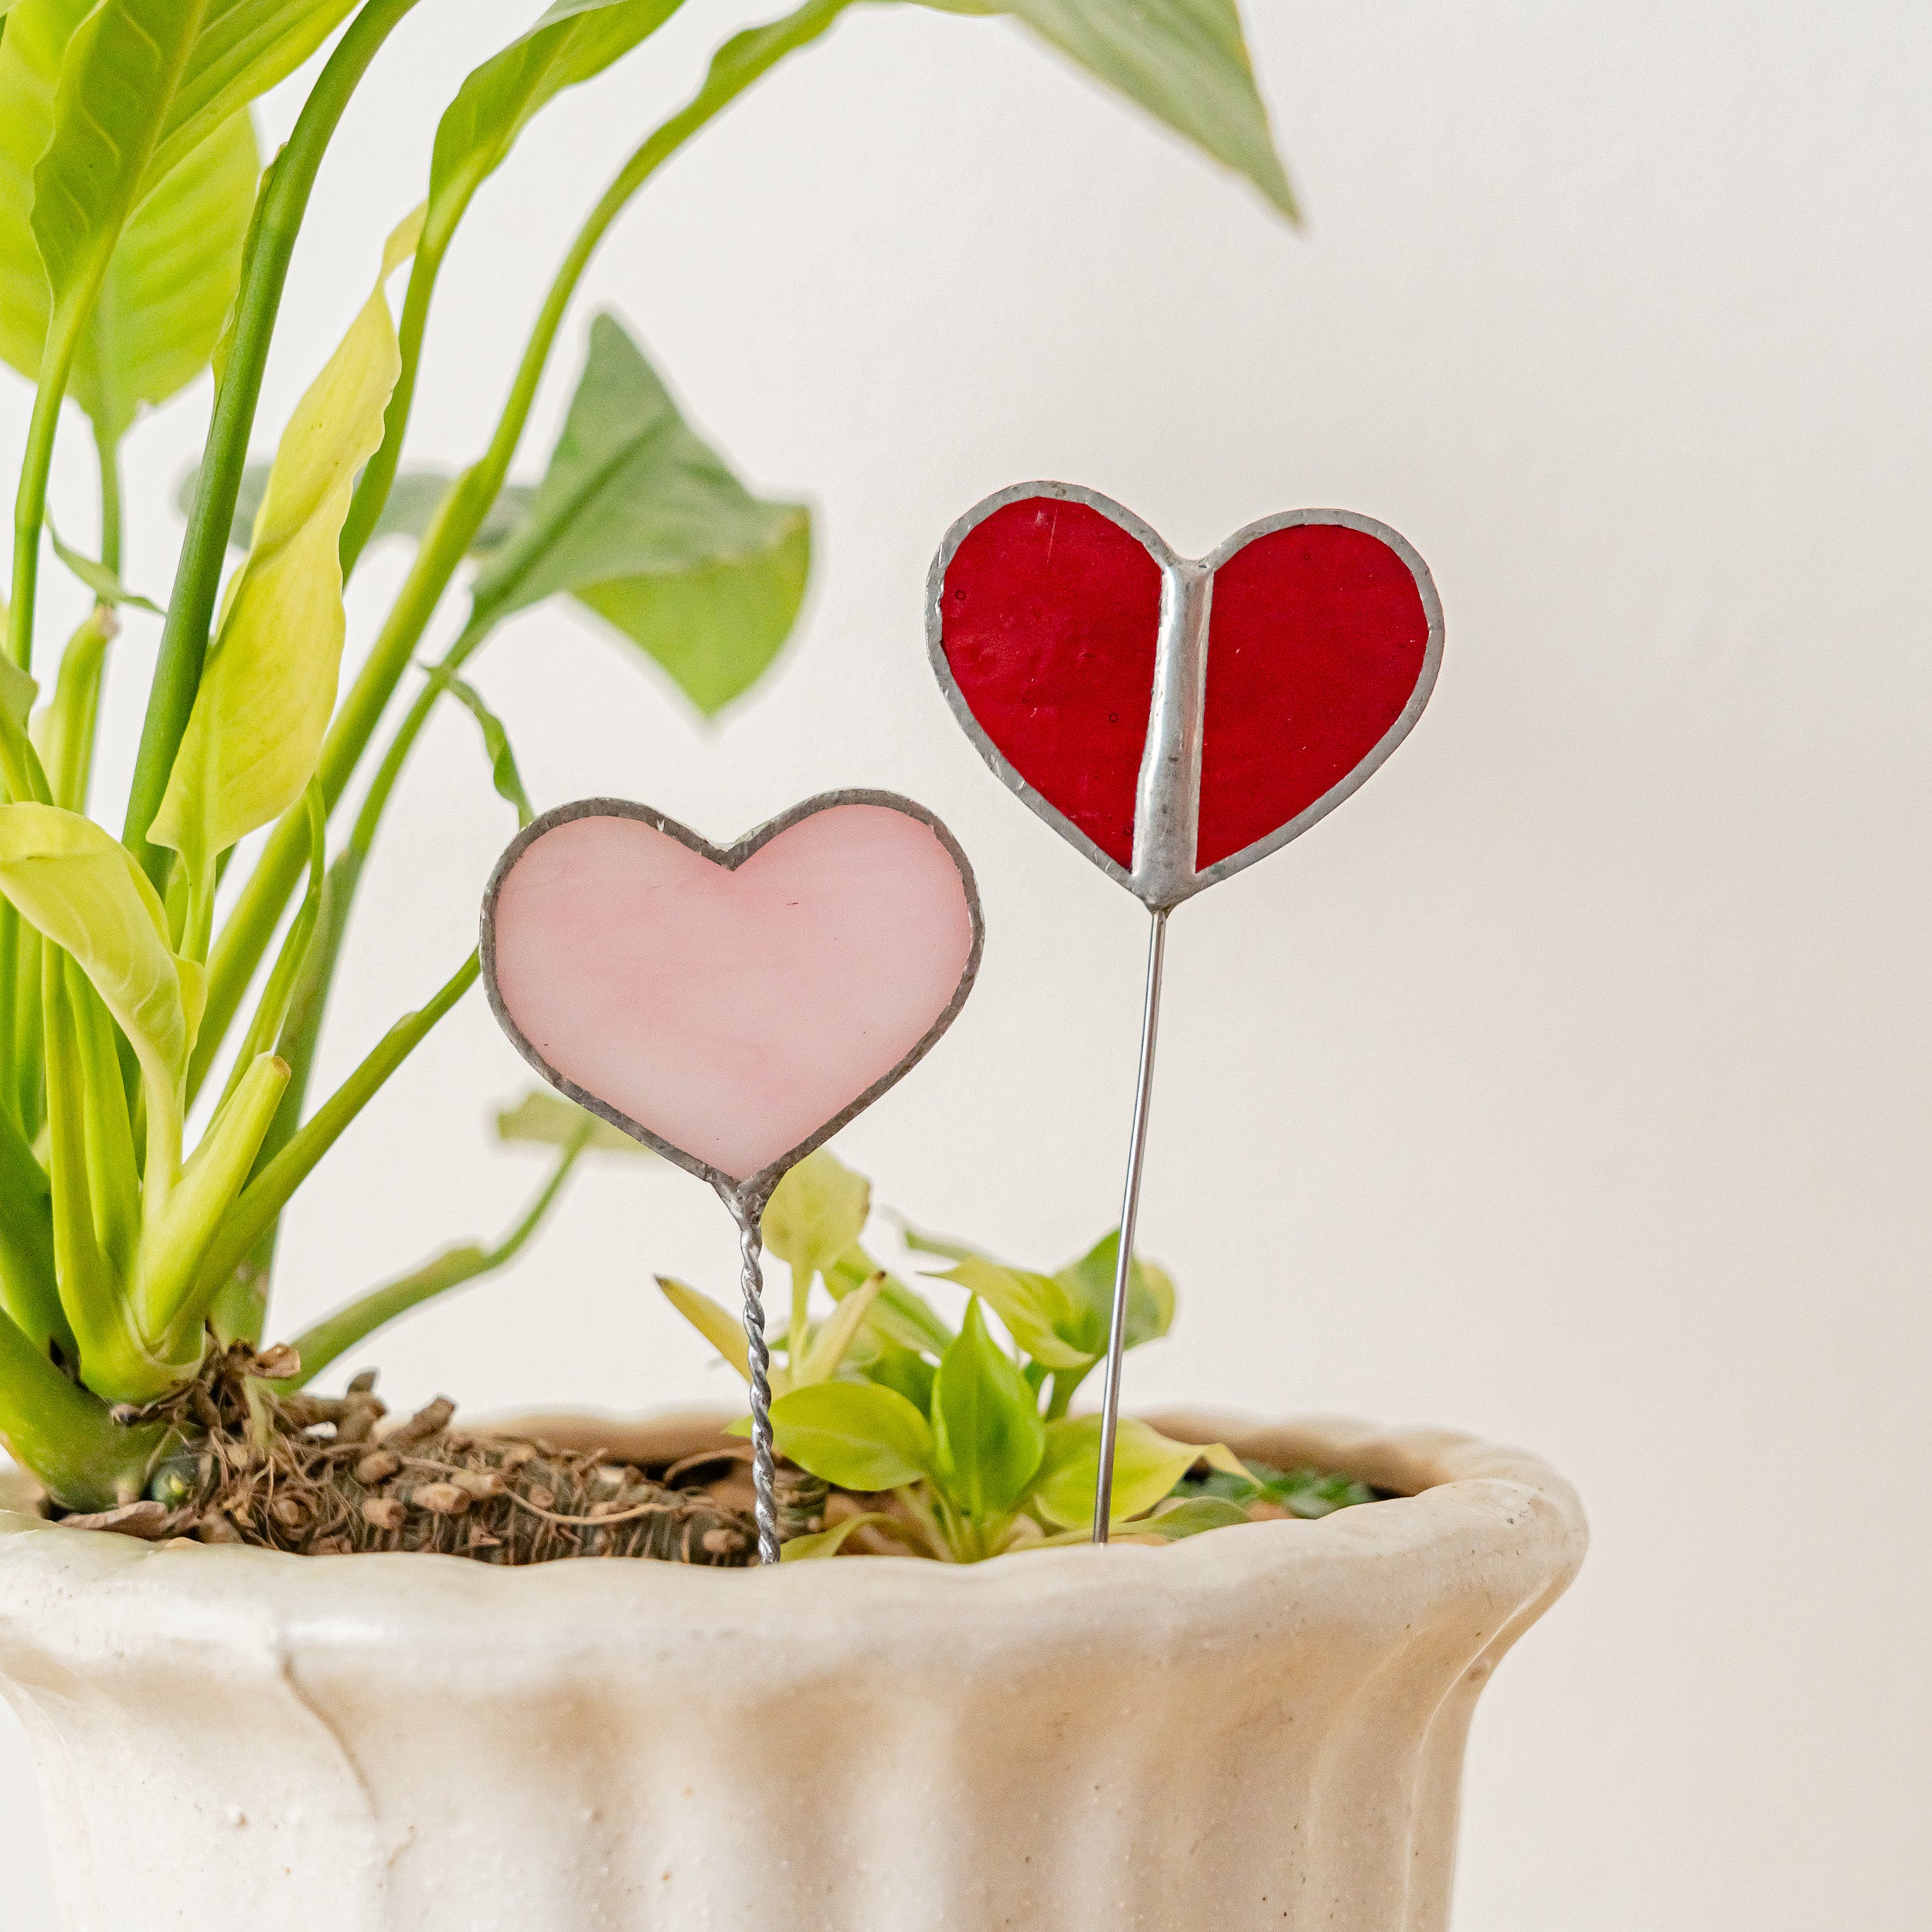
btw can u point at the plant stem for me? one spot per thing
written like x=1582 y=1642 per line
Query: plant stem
x=277 y=221
x=372 y=493
x=252 y=924
x=336 y=1334
x=30 y=504
x=108 y=450
x=66 y=1436
x=268 y=1193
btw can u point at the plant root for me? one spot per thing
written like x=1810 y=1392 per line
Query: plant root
x=317 y=1476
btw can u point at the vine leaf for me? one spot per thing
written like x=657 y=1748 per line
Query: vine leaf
x=642 y=521
x=1184 y=61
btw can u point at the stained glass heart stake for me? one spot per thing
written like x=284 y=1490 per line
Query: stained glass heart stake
x=1175 y=720
x=732 y=1007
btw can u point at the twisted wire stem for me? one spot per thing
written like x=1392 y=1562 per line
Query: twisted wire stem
x=764 y=1475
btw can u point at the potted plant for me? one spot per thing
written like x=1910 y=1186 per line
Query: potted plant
x=222 y=1686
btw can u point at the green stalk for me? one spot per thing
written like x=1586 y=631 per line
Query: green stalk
x=336 y=1334
x=279 y=210
x=30 y=503
x=67 y=1437
x=269 y=1193
x=29 y=1293
x=108 y=450
x=251 y=926
x=372 y=493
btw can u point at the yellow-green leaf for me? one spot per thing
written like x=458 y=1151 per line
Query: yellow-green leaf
x=816 y=1212
x=834 y=1337
x=1147 y=1465
x=269 y=686
x=828 y=1543
x=548 y=1120
x=725 y=1334
x=1038 y=1312
x=84 y=891
x=854 y=1434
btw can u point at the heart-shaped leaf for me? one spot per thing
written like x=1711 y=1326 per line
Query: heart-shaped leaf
x=641 y=520
x=854 y=1434
x=987 y=1435
x=816 y=1213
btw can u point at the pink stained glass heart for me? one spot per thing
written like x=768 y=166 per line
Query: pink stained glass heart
x=731 y=1007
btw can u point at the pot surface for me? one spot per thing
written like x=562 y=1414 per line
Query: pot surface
x=1260 y=1726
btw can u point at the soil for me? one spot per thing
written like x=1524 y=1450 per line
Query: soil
x=276 y=1468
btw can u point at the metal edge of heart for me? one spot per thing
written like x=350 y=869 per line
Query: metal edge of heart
x=754 y=1189
x=1172 y=566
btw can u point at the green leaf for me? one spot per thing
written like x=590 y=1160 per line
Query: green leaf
x=496 y=742
x=854 y=1434
x=1190 y=1518
x=174 y=1243
x=988 y=1434
x=117 y=82
x=17 y=693
x=833 y=1339
x=269 y=686
x=721 y=1329
x=1150 y=1292
x=108 y=588
x=1147 y=1465
x=1185 y=61
x=63 y=733
x=816 y=1212
x=574 y=40
x=901 y=1315
x=641 y=520
x=82 y=890
x=548 y=1120
x=413 y=499
x=1038 y=1312
x=828 y=1543
x=171 y=283
x=243 y=47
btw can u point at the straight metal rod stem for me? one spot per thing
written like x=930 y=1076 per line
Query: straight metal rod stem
x=1130 y=1214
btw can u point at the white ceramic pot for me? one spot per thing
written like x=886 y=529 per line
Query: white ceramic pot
x=1262 y=1726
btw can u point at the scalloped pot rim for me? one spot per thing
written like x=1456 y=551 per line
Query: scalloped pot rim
x=437 y=1741
x=1451 y=1482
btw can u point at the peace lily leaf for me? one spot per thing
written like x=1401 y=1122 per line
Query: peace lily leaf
x=1150 y=1291
x=108 y=588
x=1038 y=1312
x=548 y=1120
x=641 y=519
x=722 y=1330
x=82 y=890
x=256 y=728
x=1184 y=61
x=242 y=48
x=816 y=1213
x=117 y=82
x=63 y=733
x=574 y=40
x=171 y=283
x=1147 y=1465
x=988 y=1436
x=854 y=1434
x=496 y=742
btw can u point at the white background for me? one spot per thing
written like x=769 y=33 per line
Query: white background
x=1571 y=1084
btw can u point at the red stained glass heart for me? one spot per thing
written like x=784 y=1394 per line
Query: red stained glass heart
x=1323 y=636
